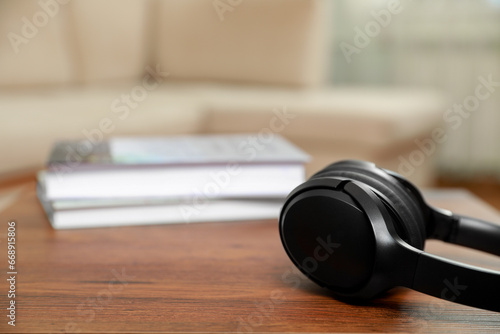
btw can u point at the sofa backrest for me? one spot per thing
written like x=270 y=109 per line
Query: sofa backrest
x=47 y=42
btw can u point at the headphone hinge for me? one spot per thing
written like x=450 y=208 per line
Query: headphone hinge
x=443 y=225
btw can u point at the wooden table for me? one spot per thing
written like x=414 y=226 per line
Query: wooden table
x=208 y=277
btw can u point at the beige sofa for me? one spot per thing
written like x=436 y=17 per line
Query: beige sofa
x=88 y=68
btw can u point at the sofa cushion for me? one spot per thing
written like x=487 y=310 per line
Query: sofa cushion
x=279 y=42
x=110 y=38
x=37 y=118
x=35 y=47
x=369 y=117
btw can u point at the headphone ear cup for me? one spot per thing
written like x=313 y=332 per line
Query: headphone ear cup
x=409 y=216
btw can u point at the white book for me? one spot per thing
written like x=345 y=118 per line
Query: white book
x=75 y=214
x=209 y=166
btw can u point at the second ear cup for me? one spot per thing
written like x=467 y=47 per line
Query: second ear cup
x=411 y=223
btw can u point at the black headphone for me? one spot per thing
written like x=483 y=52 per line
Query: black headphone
x=360 y=230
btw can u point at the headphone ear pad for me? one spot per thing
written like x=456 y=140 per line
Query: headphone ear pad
x=411 y=226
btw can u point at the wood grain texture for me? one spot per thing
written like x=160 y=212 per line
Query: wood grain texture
x=208 y=277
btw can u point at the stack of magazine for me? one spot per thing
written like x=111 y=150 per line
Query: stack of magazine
x=158 y=180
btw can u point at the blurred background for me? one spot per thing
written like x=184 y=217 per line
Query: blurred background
x=410 y=85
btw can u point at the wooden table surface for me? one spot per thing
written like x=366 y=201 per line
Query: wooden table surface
x=207 y=277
